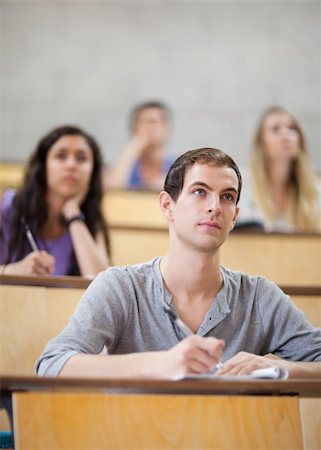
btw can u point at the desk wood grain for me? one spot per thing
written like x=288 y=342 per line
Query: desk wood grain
x=96 y=421
x=219 y=386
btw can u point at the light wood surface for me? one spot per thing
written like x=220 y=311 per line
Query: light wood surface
x=305 y=388
x=11 y=175
x=311 y=423
x=284 y=259
x=46 y=281
x=134 y=208
x=96 y=421
x=311 y=306
x=29 y=317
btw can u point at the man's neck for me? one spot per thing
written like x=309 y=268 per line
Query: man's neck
x=192 y=277
x=193 y=282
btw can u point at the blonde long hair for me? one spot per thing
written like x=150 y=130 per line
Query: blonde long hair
x=302 y=209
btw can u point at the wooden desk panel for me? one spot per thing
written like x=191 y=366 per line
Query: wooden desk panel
x=310 y=408
x=284 y=259
x=11 y=175
x=311 y=423
x=96 y=421
x=133 y=246
x=219 y=386
x=30 y=316
x=134 y=208
x=308 y=390
x=311 y=306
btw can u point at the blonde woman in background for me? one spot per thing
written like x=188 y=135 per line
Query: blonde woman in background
x=281 y=192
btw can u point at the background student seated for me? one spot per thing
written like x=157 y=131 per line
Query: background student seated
x=143 y=163
x=231 y=317
x=281 y=191
x=59 y=205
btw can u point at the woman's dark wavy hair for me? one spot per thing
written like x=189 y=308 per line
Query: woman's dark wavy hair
x=174 y=181
x=30 y=200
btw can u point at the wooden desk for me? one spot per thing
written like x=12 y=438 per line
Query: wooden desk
x=11 y=174
x=133 y=208
x=133 y=414
x=32 y=311
x=284 y=259
x=35 y=309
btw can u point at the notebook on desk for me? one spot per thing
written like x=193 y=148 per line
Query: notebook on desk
x=267 y=373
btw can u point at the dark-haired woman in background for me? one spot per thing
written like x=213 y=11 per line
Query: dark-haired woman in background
x=59 y=203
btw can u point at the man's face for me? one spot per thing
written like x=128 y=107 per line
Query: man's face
x=205 y=211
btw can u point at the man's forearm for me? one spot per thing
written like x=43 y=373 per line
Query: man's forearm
x=194 y=354
x=302 y=369
x=134 y=365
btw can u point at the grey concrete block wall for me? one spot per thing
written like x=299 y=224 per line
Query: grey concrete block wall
x=218 y=65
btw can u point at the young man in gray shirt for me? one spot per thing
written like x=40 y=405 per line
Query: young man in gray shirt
x=230 y=317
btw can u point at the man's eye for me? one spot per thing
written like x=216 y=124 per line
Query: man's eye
x=199 y=192
x=228 y=197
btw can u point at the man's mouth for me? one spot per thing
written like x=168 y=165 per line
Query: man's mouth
x=211 y=224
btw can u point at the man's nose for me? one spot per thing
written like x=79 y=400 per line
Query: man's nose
x=214 y=205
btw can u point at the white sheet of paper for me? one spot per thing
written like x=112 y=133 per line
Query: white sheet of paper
x=267 y=373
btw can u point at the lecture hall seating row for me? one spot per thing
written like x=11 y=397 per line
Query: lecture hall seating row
x=35 y=309
x=136 y=223
x=139 y=232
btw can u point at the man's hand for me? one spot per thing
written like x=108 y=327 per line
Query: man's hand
x=244 y=363
x=193 y=355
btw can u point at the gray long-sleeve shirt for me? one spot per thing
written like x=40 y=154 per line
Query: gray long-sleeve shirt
x=123 y=310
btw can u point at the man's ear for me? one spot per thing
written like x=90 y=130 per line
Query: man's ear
x=237 y=209
x=166 y=203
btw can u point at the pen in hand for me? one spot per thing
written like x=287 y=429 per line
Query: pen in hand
x=29 y=235
x=31 y=239
x=188 y=332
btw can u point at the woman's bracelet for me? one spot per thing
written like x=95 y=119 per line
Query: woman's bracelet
x=78 y=217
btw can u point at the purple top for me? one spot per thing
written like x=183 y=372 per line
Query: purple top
x=61 y=248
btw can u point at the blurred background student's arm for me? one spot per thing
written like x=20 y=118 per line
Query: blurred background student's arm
x=143 y=164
